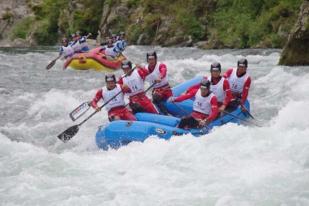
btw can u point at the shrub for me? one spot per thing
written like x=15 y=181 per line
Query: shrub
x=22 y=28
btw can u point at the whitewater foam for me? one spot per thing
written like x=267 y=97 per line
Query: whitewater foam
x=233 y=165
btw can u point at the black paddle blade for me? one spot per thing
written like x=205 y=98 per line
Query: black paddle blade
x=69 y=133
x=50 y=65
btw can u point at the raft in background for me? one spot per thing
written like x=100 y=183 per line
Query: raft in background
x=118 y=133
x=93 y=60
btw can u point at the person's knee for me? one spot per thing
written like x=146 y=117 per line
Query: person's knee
x=156 y=98
x=136 y=108
x=113 y=118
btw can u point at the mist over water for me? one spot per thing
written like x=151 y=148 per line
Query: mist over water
x=235 y=165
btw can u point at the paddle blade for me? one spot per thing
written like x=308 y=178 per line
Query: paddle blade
x=51 y=64
x=69 y=133
x=79 y=111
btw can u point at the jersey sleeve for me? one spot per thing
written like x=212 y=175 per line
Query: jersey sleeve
x=163 y=70
x=228 y=92
x=228 y=73
x=97 y=98
x=245 y=91
x=142 y=73
x=214 y=109
x=189 y=93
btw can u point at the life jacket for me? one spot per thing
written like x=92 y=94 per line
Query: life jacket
x=112 y=51
x=154 y=75
x=83 y=44
x=134 y=82
x=202 y=104
x=237 y=83
x=108 y=94
x=218 y=90
x=120 y=45
x=67 y=51
x=76 y=46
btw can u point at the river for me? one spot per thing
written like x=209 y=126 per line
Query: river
x=234 y=165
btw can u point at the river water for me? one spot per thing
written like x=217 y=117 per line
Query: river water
x=234 y=165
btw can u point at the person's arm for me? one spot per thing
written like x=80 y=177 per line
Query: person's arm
x=82 y=39
x=228 y=92
x=163 y=70
x=214 y=109
x=228 y=73
x=142 y=73
x=245 y=91
x=120 y=81
x=97 y=98
x=61 y=52
x=125 y=88
x=189 y=94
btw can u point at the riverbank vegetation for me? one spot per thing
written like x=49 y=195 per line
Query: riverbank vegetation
x=218 y=23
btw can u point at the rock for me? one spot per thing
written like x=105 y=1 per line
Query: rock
x=20 y=43
x=210 y=44
x=141 y=39
x=111 y=15
x=176 y=40
x=296 y=51
x=11 y=12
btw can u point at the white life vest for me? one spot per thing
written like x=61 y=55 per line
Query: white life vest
x=134 y=82
x=108 y=94
x=120 y=45
x=218 y=89
x=67 y=51
x=237 y=83
x=76 y=46
x=202 y=104
x=83 y=44
x=111 y=51
x=154 y=75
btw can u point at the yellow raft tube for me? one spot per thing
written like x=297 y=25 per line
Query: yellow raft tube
x=94 y=59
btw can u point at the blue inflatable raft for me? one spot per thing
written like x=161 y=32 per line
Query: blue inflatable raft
x=119 y=133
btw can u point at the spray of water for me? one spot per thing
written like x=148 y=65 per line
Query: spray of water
x=233 y=165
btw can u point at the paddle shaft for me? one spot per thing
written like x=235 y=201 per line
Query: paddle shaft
x=52 y=63
x=240 y=118
x=72 y=131
x=99 y=108
x=88 y=103
x=108 y=102
x=244 y=108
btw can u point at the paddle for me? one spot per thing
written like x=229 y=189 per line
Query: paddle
x=72 y=131
x=244 y=108
x=79 y=111
x=244 y=120
x=52 y=63
x=150 y=87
